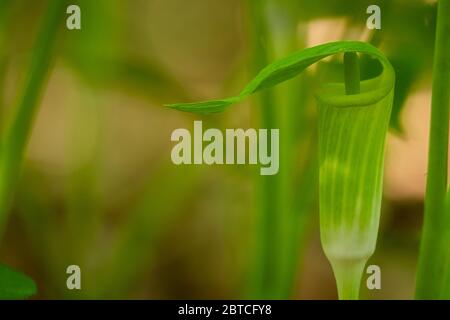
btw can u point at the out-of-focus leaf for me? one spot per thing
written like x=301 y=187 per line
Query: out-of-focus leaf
x=407 y=75
x=147 y=79
x=398 y=36
x=128 y=73
x=95 y=53
x=98 y=38
x=15 y=285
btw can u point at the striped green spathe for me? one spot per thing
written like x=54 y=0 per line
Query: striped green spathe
x=352 y=134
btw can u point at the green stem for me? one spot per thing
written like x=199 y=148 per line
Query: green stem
x=278 y=231
x=433 y=246
x=348 y=274
x=261 y=266
x=282 y=27
x=352 y=73
x=18 y=129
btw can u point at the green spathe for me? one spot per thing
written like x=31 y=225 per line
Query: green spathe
x=353 y=124
x=351 y=156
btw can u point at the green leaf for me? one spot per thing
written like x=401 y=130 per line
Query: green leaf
x=15 y=285
x=291 y=66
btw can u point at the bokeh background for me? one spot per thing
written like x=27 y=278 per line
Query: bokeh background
x=98 y=188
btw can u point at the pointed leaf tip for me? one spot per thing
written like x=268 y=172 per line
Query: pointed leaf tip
x=205 y=107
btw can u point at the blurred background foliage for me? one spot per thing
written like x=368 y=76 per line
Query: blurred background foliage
x=98 y=188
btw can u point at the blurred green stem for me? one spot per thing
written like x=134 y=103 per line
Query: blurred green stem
x=18 y=129
x=4 y=19
x=261 y=267
x=275 y=29
x=433 y=246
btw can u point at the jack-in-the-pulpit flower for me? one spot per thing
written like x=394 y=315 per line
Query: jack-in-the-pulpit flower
x=352 y=134
x=353 y=122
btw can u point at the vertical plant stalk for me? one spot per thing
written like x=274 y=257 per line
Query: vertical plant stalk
x=18 y=129
x=261 y=266
x=278 y=233
x=284 y=36
x=432 y=268
x=352 y=73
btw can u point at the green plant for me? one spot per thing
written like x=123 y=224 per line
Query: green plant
x=18 y=128
x=15 y=136
x=352 y=131
x=434 y=266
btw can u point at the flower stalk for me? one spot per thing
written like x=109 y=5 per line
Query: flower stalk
x=434 y=251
